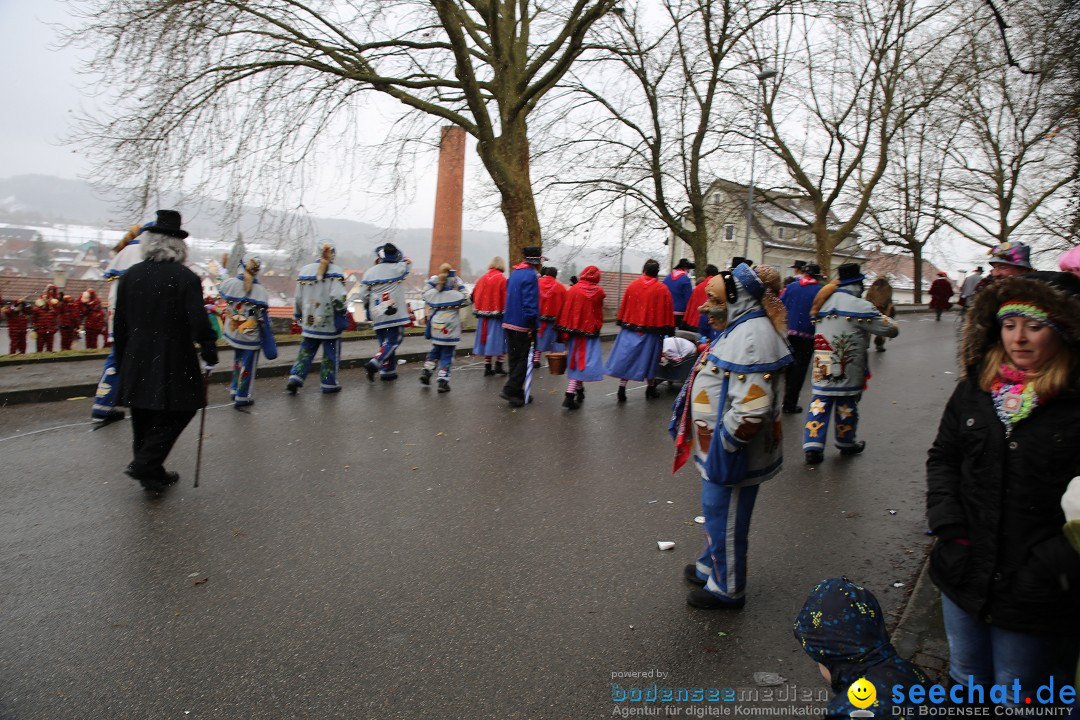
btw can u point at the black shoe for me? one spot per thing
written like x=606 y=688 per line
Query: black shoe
x=813 y=457
x=444 y=385
x=499 y=369
x=512 y=399
x=536 y=364
x=291 y=388
x=792 y=410
x=621 y=395
x=881 y=348
x=425 y=377
x=372 y=371
x=487 y=370
x=581 y=395
x=651 y=393
x=705 y=600
x=854 y=449
x=689 y=574
x=569 y=403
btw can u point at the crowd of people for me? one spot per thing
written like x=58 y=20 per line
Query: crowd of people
x=53 y=313
x=999 y=499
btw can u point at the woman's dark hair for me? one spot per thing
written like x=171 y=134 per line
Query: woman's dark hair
x=651 y=268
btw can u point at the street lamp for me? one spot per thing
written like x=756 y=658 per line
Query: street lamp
x=761 y=76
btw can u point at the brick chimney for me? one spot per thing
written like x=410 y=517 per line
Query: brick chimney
x=446 y=232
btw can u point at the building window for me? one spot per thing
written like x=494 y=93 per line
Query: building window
x=780 y=233
x=729 y=232
x=716 y=200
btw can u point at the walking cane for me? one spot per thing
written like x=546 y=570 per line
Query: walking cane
x=202 y=424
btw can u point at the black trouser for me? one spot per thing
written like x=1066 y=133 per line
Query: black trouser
x=517 y=355
x=154 y=432
x=802 y=350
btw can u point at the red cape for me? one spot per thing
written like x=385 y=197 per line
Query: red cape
x=552 y=296
x=583 y=308
x=697 y=299
x=647 y=304
x=489 y=295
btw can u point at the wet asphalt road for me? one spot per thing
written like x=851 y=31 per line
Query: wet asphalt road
x=393 y=553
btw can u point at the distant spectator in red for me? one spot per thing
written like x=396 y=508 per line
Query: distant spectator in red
x=93 y=316
x=70 y=321
x=940 y=292
x=46 y=318
x=17 y=314
x=693 y=319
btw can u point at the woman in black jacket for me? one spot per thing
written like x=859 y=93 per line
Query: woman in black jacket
x=1004 y=454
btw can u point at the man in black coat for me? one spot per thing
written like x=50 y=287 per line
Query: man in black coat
x=159 y=318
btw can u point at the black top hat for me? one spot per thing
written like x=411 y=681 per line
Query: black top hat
x=684 y=264
x=812 y=269
x=168 y=223
x=799 y=265
x=978 y=268
x=533 y=255
x=849 y=273
x=737 y=261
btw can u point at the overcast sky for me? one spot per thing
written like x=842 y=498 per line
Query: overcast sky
x=40 y=90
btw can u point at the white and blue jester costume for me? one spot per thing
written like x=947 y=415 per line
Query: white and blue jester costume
x=320 y=310
x=843 y=325
x=109 y=384
x=729 y=414
x=382 y=291
x=443 y=326
x=246 y=328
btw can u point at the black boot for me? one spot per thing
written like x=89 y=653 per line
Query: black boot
x=621 y=395
x=499 y=369
x=292 y=387
x=487 y=370
x=581 y=395
x=425 y=377
x=651 y=392
x=444 y=385
x=568 y=402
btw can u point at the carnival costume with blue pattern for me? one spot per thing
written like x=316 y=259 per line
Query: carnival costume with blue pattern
x=247 y=328
x=382 y=291
x=443 y=325
x=843 y=325
x=320 y=310
x=728 y=414
x=109 y=384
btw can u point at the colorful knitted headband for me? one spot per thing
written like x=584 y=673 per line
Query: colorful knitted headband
x=1019 y=308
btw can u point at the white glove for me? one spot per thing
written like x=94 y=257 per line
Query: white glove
x=1070 y=501
x=207 y=368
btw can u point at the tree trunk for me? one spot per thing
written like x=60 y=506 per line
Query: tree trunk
x=824 y=245
x=507 y=161
x=916 y=253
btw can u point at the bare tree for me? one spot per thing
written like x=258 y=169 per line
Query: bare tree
x=906 y=210
x=1015 y=154
x=660 y=128
x=851 y=77
x=252 y=96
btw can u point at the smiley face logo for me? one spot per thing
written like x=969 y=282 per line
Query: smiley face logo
x=862 y=693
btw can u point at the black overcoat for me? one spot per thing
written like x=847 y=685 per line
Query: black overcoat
x=159 y=318
x=1003 y=495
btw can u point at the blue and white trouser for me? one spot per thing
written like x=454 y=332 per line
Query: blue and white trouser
x=107 y=389
x=389 y=340
x=727 y=513
x=816 y=429
x=443 y=356
x=245 y=362
x=330 y=360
